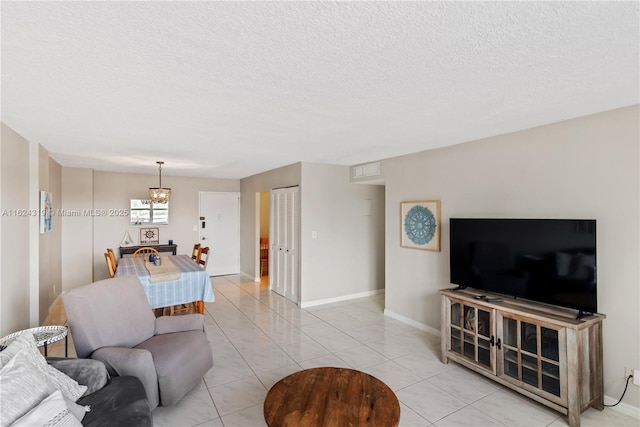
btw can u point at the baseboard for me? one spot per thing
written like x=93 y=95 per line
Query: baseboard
x=55 y=301
x=341 y=298
x=622 y=407
x=248 y=276
x=411 y=322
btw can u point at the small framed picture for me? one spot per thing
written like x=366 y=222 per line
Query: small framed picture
x=46 y=212
x=149 y=236
x=420 y=225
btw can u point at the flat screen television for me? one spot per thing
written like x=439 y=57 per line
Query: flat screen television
x=547 y=260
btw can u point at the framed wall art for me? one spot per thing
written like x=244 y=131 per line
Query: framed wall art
x=149 y=236
x=46 y=212
x=420 y=225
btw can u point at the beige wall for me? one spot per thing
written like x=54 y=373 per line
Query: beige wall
x=55 y=243
x=347 y=256
x=77 y=230
x=30 y=265
x=49 y=245
x=264 y=214
x=14 y=196
x=582 y=168
x=249 y=229
x=88 y=237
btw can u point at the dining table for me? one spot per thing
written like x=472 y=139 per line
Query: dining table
x=178 y=280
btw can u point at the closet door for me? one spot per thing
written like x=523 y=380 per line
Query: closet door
x=284 y=242
x=292 y=239
x=276 y=242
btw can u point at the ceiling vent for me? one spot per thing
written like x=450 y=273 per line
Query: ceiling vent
x=362 y=171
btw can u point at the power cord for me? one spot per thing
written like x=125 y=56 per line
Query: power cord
x=625 y=390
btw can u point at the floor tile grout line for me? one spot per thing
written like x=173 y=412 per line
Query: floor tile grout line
x=236 y=349
x=293 y=326
x=286 y=320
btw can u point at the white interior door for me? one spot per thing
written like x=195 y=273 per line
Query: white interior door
x=284 y=243
x=219 y=228
x=276 y=242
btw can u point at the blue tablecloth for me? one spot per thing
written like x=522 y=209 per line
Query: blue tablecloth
x=194 y=283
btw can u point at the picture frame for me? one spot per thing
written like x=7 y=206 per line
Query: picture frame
x=420 y=225
x=149 y=236
x=46 y=212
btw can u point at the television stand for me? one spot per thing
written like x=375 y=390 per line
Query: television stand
x=538 y=350
x=583 y=314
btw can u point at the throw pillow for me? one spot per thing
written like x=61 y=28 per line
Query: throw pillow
x=22 y=387
x=69 y=387
x=4 y=358
x=51 y=412
x=8 y=353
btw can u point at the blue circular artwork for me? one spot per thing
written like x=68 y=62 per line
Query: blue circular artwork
x=420 y=225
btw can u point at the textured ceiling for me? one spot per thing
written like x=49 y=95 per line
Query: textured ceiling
x=231 y=89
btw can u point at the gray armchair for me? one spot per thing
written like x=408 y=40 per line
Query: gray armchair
x=111 y=321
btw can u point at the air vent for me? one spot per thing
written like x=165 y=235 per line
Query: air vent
x=371 y=169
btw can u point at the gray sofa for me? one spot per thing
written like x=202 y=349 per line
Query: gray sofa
x=111 y=321
x=117 y=401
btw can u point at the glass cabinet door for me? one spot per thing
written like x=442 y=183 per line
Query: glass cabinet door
x=471 y=332
x=530 y=354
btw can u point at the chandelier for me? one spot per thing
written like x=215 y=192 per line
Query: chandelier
x=159 y=194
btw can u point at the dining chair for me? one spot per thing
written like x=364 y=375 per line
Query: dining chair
x=112 y=255
x=194 y=252
x=189 y=307
x=146 y=250
x=112 y=270
x=203 y=261
x=264 y=255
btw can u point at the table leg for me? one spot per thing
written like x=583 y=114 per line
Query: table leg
x=45 y=349
x=199 y=307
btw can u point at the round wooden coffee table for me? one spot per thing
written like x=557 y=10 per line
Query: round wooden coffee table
x=331 y=397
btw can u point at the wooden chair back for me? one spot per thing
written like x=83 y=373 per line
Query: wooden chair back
x=146 y=250
x=110 y=266
x=203 y=257
x=194 y=252
x=264 y=255
x=112 y=255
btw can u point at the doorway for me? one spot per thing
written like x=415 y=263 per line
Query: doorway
x=219 y=229
x=262 y=241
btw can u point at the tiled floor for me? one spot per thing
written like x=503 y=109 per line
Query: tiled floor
x=258 y=337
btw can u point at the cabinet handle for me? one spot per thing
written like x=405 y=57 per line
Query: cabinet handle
x=492 y=341
x=499 y=344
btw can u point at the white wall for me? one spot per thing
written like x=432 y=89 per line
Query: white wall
x=582 y=168
x=347 y=256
